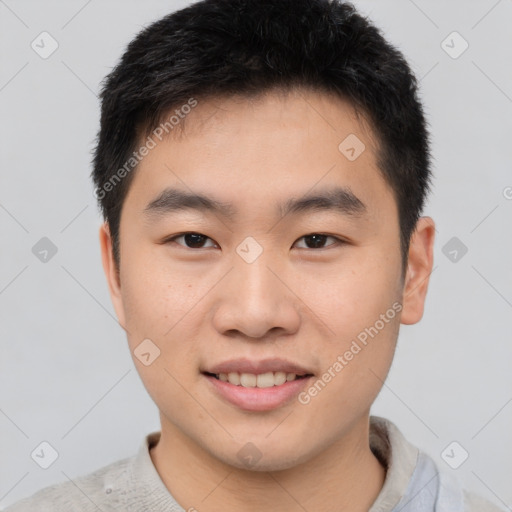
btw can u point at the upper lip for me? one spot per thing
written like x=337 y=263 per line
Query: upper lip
x=257 y=367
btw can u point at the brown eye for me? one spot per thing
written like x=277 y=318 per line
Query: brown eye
x=191 y=240
x=317 y=241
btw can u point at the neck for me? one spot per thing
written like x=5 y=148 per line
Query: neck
x=345 y=476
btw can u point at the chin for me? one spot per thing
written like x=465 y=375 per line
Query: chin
x=278 y=465
x=250 y=458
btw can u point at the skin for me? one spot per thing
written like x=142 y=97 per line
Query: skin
x=295 y=301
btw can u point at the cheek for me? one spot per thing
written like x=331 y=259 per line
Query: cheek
x=350 y=296
x=159 y=307
x=144 y=300
x=362 y=313
x=154 y=297
x=352 y=376
x=164 y=307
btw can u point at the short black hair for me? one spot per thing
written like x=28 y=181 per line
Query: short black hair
x=220 y=48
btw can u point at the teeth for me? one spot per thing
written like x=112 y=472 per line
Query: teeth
x=248 y=380
x=263 y=380
x=234 y=378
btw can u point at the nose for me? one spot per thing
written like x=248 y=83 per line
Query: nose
x=256 y=301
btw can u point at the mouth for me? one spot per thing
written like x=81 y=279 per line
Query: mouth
x=257 y=392
x=262 y=380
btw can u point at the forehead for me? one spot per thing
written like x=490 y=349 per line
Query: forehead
x=252 y=153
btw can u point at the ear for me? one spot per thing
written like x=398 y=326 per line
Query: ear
x=419 y=268
x=111 y=273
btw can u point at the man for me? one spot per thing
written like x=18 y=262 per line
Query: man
x=262 y=167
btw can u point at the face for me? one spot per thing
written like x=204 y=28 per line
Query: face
x=265 y=281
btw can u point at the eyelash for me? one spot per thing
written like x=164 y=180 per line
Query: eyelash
x=338 y=242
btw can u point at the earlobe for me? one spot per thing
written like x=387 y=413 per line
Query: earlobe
x=419 y=268
x=111 y=273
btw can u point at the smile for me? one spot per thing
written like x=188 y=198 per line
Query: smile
x=263 y=380
x=257 y=392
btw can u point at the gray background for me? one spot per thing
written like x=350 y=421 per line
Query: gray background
x=66 y=374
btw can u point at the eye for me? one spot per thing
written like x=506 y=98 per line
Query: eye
x=192 y=240
x=317 y=240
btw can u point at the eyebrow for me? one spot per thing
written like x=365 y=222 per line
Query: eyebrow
x=340 y=200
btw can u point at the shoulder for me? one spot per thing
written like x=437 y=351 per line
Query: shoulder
x=411 y=475
x=84 y=493
x=475 y=503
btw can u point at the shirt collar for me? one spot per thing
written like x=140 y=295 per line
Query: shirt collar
x=395 y=453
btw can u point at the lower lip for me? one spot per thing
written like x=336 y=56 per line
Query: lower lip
x=258 y=399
